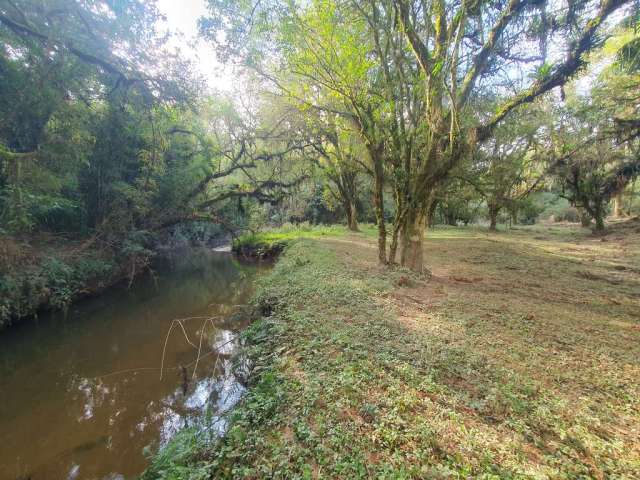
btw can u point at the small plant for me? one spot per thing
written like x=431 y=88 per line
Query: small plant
x=60 y=281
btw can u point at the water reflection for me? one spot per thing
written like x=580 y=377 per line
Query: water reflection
x=82 y=396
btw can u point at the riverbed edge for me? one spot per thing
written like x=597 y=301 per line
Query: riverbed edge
x=308 y=276
x=68 y=274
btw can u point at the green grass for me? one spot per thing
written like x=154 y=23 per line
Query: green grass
x=518 y=359
x=269 y=243
x=287 y=233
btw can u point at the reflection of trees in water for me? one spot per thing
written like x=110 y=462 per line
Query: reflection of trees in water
x=109 y=409
x=90 y=394
x=204 y=279
x=209 y=399
x=205 y=404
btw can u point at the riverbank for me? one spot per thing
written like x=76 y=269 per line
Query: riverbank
x=517 y=359
x=269 y=244
x=48 y=272
x=51 y=274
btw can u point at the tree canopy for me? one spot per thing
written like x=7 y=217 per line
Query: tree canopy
x=390 y=111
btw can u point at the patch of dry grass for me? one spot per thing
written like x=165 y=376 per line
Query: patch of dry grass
x=559 y=309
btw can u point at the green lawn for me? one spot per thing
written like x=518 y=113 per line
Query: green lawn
x=269 y=237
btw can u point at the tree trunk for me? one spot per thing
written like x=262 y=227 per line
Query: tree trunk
x=432 y=213
x=493 y=217
x=585 y=218
x=352 y=216
x=393 y=248
x=378 y=202
x=599 y=226
x=617 y=205
x=493 y=222
x=413 y=240
x=598 y=212
x=451 y=219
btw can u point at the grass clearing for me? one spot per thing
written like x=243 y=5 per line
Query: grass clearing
x=519 y=358
x=269 y=238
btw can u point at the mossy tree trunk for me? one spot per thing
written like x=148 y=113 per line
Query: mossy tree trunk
x=494 y=210
x=598 y=216
x=378 y=202
x=413 y=232
x=432 y=213
x=352 y=216
x=412 y=228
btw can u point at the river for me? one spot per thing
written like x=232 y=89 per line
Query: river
x=81 y=394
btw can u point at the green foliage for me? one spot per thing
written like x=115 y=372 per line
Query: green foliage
x=66 y=282
x=321 y=207
x=57 y=214
x=528 y=211
x=61 y=281
x=267 y=239
x=179 y=459
x=556 y=208
x=20 y=296
x=54 y=283
x=543 y=71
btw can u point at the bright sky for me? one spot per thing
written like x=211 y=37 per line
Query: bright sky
x=182 y=17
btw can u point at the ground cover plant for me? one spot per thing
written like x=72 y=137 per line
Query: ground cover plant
x=516 y=358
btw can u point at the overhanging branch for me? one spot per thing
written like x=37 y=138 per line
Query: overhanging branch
x=561 y=74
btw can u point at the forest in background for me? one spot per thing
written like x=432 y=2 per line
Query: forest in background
x=401 y=113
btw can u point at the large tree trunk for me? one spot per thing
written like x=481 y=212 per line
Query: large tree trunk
x=413 y=240
x=352 y=216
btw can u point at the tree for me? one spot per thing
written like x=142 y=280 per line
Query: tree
x=460 y=50
x=340 y=165
x=463 y=49
x=593 y=168
x=66 y=67
x=456 y=201
x=505 y=169
x=597 y=152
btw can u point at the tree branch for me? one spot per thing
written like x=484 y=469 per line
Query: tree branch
x=561 y=74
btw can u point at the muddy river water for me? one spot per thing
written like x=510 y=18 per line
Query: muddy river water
x=81 y=394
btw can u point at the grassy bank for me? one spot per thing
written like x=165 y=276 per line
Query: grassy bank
x=518 y=359
x=269 y=243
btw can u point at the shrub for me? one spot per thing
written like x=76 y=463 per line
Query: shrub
x=567 y=214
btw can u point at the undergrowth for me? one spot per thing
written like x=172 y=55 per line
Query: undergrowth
x=55 y=283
